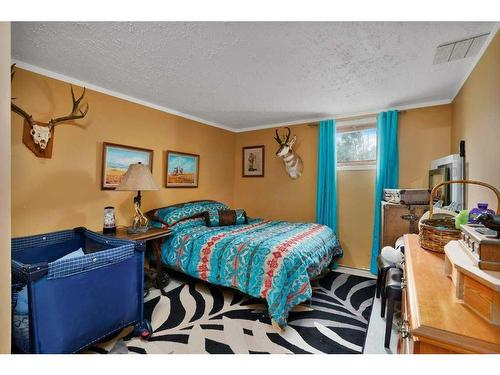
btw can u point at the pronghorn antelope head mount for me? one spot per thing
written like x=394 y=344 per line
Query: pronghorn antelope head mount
x=293 y=162
x=39 y=136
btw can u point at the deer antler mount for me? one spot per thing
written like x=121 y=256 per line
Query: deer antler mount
x=39 y=136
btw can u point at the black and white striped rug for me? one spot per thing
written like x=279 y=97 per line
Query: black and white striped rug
x=196 y=317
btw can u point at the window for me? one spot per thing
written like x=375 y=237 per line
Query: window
x=356 y=146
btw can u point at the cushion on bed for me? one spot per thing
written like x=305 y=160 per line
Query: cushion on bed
x=223 y=218
x=174 y=214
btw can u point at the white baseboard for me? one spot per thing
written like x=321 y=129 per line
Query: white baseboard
x=356 y=272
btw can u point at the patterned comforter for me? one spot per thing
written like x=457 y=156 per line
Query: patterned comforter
x=274 y=260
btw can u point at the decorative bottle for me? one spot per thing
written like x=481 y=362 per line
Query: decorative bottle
x=109 y=220
x=480 y=209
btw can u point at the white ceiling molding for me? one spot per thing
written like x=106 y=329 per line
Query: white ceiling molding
x=345 y=117
x=254 y=75
x=90 y=86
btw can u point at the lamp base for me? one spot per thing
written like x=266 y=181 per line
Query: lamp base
x=138 y=229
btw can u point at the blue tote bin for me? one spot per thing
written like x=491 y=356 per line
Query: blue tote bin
x=76 y=302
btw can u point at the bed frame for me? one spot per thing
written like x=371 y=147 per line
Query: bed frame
x=151 y=215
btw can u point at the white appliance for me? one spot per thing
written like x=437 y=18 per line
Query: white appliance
x=449 y=168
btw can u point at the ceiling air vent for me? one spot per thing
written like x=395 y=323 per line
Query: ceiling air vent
x=459 y=49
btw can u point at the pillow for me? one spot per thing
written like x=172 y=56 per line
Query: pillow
x=222 y=218
x=22 y=296
x=174 y=214
x=189 y=223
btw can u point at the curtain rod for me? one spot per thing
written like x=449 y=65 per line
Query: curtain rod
x=352 y=118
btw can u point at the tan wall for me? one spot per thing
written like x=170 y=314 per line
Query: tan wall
x=356 y=195
x=277 y=196
x=424 y=134
x=64 y=191
x=4 y=187
x=476 y=119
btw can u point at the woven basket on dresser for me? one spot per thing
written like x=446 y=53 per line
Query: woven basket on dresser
x=436 y=233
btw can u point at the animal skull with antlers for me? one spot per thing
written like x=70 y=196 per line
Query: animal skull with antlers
x=293 y=162
x=38 y=135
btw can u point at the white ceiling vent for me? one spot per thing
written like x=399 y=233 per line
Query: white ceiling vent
x=459 y=49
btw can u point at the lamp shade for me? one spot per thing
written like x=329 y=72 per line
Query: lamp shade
x=138 y=177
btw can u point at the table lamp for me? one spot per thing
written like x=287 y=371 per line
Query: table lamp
x=138 y=178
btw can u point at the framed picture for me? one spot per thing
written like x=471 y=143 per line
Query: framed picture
x=182 y=170
x=253 y=161
x=116 y=159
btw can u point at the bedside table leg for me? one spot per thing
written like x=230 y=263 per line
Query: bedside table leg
x=159 y=267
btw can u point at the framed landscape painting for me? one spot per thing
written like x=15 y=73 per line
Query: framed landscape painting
x=116 y=159
x=182 y=170
x=253 y=161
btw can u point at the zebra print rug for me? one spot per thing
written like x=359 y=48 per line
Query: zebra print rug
x=196 y=317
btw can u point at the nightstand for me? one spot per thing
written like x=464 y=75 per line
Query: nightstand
x=156 y=236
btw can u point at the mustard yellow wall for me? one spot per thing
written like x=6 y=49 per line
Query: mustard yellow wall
x=476 y=119
x=356 y=197
x=276 y=195
x=64 y=191
x=5 y=294
x=424 y=134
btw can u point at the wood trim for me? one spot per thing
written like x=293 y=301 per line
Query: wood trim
x=117 y=145
x=243 y=160
x=197 y=169
x=444 y=335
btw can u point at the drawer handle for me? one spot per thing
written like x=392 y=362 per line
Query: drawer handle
x=404 y=330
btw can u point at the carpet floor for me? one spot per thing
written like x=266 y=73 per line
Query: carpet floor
x=196 y=317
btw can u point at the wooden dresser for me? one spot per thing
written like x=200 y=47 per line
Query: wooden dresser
x=434 y=321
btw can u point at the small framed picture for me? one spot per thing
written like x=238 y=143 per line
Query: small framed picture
x=253 y=161
x=115 y=161
x=182 y=170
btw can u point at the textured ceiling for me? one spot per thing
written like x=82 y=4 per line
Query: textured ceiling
x=250 y=74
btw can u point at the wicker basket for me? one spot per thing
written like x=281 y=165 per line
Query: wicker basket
x=435 y=233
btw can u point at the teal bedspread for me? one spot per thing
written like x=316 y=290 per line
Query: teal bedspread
x=274 y=260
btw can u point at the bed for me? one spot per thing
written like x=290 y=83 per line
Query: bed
x=273 y=260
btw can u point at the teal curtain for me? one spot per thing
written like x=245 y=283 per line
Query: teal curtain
x=387 y=171
x=326 y=194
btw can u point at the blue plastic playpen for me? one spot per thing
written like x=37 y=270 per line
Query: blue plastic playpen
x=72 y=302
